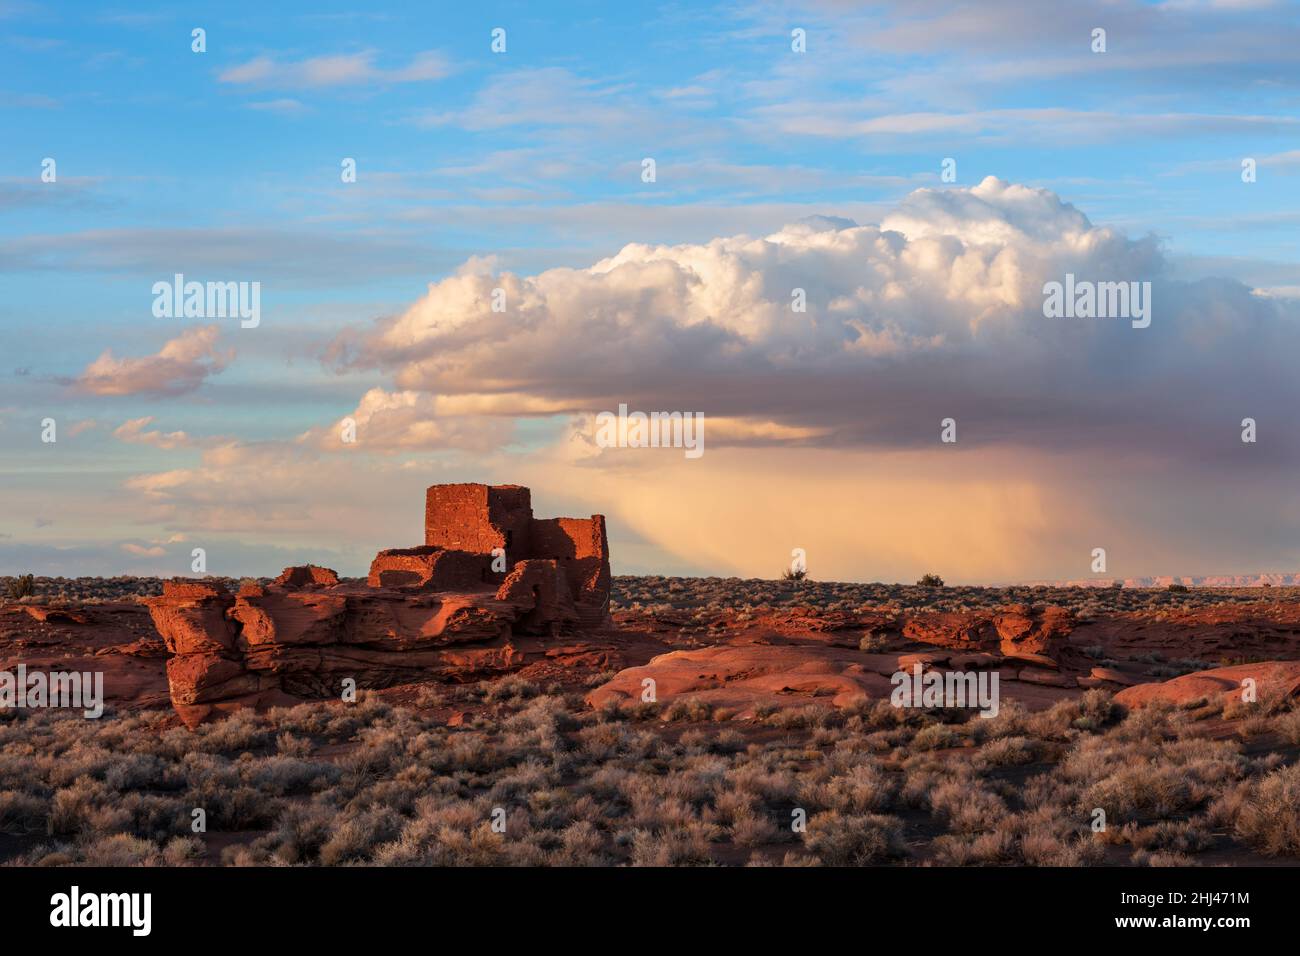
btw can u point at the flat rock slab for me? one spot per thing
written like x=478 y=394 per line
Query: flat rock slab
x=1112 y=676
x=1274 y=680
x=746 y=677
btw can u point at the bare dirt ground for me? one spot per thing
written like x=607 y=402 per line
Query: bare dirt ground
x=771 y=740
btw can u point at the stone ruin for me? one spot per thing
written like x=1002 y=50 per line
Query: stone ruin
x=488 y=586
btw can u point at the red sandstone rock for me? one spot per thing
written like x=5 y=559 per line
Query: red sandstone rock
x=57 y=615
x=1035 y=660
x=202 y=678
x=1029 y=630
x=1112 y=676
x=1034 y=675
x=1274 y=680
x=432 y=567
x=968 y=632
x=745 y=677
x=307 y=575
x=973 y=661
x=191 y=617
x=279 y=617
x=927 y=660
x=540 y=590
x=439 y=610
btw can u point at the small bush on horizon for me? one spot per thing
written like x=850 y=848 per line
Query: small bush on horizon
x=930 y=581
x=20 y=586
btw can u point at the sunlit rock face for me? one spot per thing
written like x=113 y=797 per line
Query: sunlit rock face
x=490 y=583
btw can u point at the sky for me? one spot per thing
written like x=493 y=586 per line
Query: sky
x=794 y=147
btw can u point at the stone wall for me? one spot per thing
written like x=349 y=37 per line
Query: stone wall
x=447 y=610
x=479 y=518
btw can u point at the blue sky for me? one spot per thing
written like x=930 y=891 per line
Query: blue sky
x=226 y=165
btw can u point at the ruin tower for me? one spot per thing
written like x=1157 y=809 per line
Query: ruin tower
x=478 y=518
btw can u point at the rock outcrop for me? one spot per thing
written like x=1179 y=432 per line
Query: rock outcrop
x=1272 y=681
x=747 y=677
x=456 y=608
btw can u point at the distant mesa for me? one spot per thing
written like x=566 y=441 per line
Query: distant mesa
x=490 y=584
x=1271 y=579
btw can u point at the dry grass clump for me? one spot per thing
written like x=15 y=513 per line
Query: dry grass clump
x=838 y=839
x=1268 y=815
x=537 y=779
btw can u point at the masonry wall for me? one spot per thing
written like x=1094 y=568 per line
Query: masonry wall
x=581 y=545
x=478 y=518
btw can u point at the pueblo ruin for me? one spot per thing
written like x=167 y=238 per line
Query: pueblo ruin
x=490 y=584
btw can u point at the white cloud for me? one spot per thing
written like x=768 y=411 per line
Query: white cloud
x=411 y=421
x=142 y=551
x=549 y=96
x=937 y=310
x=133 y=431
x=352 y=69
x=180 y=366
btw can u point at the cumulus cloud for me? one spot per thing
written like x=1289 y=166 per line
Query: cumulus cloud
x=935 y=312
x=411 y=421
x=181 y=366
x=1072 y=433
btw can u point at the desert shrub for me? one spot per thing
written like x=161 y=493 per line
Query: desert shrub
x=74 y=808
x=153 y=816
x=966 y=806
x=752 y=830
x=300 y=832
x=984 y=849
x=291 y=745
x=861 y=788
x=1161 y=858
x=1288 y=725
x=1180 y=836
x=582 y=844
x=930 y=581
x=685 y=846
x=838 y=839
x=121 y=849
x=800 y=718
x=689 y=709
x=242 y=730
x=354 y=838
x=234 y=808
x=141 y=771
x=727 y=742
x=936 y=737
x=1008 y=751
x=512 y=689
x=875 y=643
x=20 y=586
x=21 y=812
x=1255 y=726
x=1269 y=815
x=181 y=850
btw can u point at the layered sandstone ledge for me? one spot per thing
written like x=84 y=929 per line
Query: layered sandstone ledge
x=488 y=576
